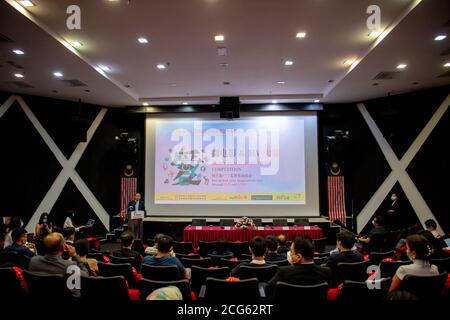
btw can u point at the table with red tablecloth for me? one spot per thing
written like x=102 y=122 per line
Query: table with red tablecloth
x=214 y=233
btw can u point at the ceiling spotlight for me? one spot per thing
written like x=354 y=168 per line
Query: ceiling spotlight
x=440 y=37
x=76 y=43
x=104 y=68
x=18 y=51
x=145 y=104
x=281 y=82
x=219 y=37
x=402 y=66
x=18 y=75
x=185 y=103
x=374 y=34
x=349 y=62
x=316 y=101
x=142 y=40
x=300 y=35
x=447 y=65
x=274 y=101
x=26 y=3
x=288 y=63
x=161 y=66
x=58 y=74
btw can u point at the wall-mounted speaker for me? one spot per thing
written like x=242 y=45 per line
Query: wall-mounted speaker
x=229 y=107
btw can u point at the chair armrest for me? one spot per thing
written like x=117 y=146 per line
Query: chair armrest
x=202 y=292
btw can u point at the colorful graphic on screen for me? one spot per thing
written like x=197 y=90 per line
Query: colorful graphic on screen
x=260 y=161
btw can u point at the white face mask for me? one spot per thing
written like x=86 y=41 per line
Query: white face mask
x=289 y=258
x=393 y=198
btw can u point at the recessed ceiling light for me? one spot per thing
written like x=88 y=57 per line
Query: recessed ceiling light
x=18 y=51
x=145 y=104
x=374 y=33
x=76 y=43
x=142 y=40
x=447 y=65
x=58 y=74
x=18 y=75
x=161 y=66
x=300 y=35
x=172 y=84
x=281 y=82
x=288 y=63
x=440 y=37
x=219 y=37
x=402 y=66
x=185 y=103
x=349 y=62
x=26 y=3
x=104 y=68
x=316 y=101
x=274 y=101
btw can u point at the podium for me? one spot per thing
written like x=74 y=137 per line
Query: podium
x=135 y=224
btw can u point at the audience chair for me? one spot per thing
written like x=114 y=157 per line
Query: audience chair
x=160 y=273
x=122 y=260
x=388 y=269
x=199 y=276
x=118 y=269
x=378 y=243
x=182 y=247
x=198 y=222
x=230 y=263
x=356 y=271
x=320 y=261
x=319 y=244
x=47 y=287
x=138 y=246
x=189 y=256
x=245 y=256
x=442 y=264
x=429 y=288
x=263 y=274
x=97 y=256
x=279 y=222
x=147 y=286
x=288 y=292
x=207 y=247
x=361 y=291
x=11 y=287
x=11 y=258
x=215 y=258
x=218 y=290
x=377 y=257
x=280 y=263
x=238 y=248
x=110 y=289
x=227 y=222
x=205 y=263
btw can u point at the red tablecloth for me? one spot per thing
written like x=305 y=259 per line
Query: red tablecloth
x=195 y=234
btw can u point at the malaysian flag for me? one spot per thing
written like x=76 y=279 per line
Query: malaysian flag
x=128 y=188
x=336 y=198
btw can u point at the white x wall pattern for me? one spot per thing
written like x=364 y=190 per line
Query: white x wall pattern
x=69 y=165
x=398 y=167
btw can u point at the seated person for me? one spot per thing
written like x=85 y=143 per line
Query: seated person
x=14 y=223
x=53 y=263
x=44 y=226
x=223 y=249
x=82 y=249
x=154 y=249
x=437 y=245
x=282 y=247
x=344 y=243
x=19 y=238
x=163 y=257
x=69 y=238
x=303 y=271
x=127 y=241
x=378 y=228
x=272 y=250
x=257 y=249
x=418 y=252
x=431 y=226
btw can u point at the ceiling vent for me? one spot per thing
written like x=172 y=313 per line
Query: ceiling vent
x=387 y=75
x=5 y=39
x=20 y=84
x=74 y=83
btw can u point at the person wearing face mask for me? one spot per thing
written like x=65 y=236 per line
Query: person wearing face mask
x=302 y=270
x=44 y=226
x=393 y=213
x=418 y=252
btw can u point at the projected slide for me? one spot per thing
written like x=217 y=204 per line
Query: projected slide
x=255 y=161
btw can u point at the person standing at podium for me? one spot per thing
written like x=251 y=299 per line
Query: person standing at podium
x=135 y=225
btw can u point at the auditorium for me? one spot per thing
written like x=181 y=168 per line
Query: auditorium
x=238 y=158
